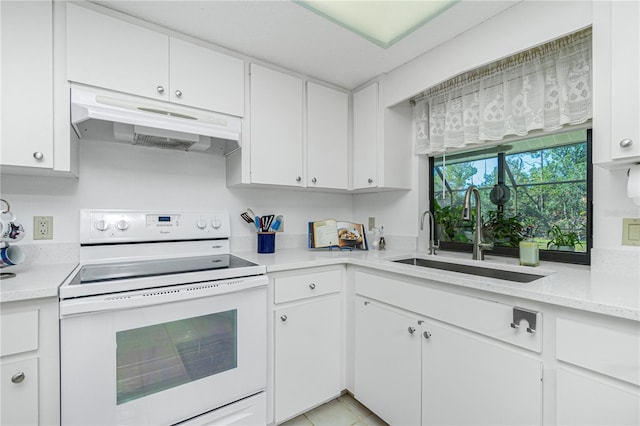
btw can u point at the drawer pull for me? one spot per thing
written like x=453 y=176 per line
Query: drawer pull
x=427 y=334
x=18 y=377
x=312 y=286
x=283 y=317
x=524 y=314
x=411 y=330
x=626 y=143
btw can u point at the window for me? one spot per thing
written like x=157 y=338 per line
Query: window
x=536 y=186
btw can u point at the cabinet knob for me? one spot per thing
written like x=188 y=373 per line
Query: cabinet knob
x=160 y=89
x=312 y=286
x=298 y=179
x=178 y=93
x=38 y=155
x=370 y=180
x=314 y=180
x=626 y=143
x=283 y=317
x=411 y=330
x=18 y=377
x=426 y=334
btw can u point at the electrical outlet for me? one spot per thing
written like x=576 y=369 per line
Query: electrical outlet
x=43 y=227
x=372 y=223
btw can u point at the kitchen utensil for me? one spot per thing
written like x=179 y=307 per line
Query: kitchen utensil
x=277 y=223
x=266 y=221
x=246 y=217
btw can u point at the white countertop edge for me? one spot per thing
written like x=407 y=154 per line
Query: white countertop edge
x=546 y=290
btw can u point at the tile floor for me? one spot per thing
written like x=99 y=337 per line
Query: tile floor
x=342 y=411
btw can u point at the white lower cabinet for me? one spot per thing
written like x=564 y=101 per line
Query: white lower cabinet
x=598 y=380
x=387 y=362
x=469 y=380
x=307 y=341
x=19 y=392
x=411 y=370
x=29 y=362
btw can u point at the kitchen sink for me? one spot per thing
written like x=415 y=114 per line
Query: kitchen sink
x=500 y=274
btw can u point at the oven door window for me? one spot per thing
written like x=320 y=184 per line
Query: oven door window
x=154 y=358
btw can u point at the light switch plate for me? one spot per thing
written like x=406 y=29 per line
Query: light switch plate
x=630 y=232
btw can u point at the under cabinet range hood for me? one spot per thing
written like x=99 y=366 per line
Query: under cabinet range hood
x=103 y=114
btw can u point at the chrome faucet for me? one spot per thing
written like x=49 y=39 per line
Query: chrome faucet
x=478 y=245
x=432 y=231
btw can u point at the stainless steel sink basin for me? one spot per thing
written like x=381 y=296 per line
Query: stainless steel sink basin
x=500 y=274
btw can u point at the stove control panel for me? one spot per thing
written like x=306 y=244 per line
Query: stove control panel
x=113 y=226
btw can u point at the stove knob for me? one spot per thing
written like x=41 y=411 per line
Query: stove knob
x=122 y=225
x=102 y=225
x=201 y=223
x=216 y=223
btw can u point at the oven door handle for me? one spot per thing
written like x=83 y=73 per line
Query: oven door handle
x=155 y=296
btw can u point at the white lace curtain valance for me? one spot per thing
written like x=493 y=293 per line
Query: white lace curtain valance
x=542 y=89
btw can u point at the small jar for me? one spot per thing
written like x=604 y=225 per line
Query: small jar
x=529 y=253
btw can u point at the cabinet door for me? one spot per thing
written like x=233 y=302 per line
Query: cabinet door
x=327 y=137
x=307 y=355
x=19 y=403
x=589 y=400
x=26 y=84
x=203 y=78
x=110 y=53
x=276 y=127
x=625 y=83
x=365 y=137
x=387 y=363
x=471 y=381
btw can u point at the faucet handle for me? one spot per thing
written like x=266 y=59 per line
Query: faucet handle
x=486 y=246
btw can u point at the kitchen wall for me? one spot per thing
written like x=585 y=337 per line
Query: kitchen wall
x=400 y=212
x=120 y=176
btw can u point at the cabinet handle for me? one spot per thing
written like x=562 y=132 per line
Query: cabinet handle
x=38 y=155
x=298 y=179
x=370 y=180
x=626 y=143
x=178 y=94
x=312 y=286
x=18 y=377
x=314 y=180
x=283 y=317
x=411 y=330
x=426 y=334
x=160 y=89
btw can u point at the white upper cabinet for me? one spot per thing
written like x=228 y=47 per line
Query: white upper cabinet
x=365 y=137
x=616 y=85
x=27 y=84
x=111 y=53
x=276 y=128
x=382 y=141
x=205 y=79
x=327 y=137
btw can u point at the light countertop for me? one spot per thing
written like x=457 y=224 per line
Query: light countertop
x=571 y=286
x=33 y=281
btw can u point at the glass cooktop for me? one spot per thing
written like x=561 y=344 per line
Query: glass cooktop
x=149 y=268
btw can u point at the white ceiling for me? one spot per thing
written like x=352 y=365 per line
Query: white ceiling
x=288 y=35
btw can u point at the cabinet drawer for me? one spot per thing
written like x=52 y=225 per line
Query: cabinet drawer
x=482 y=316
x=609 y=351
x=302 y=286
x=19 y=332
x=19 y=389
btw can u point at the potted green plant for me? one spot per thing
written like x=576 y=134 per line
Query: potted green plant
x=503 y=230
x=564 y=241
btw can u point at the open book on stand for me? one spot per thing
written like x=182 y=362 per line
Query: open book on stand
x=332 y=233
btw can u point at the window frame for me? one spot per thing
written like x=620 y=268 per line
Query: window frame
x=579 y=258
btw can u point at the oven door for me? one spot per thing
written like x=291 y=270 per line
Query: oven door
x=162 y=356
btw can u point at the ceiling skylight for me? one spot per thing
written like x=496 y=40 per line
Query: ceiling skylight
x=381 y=22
